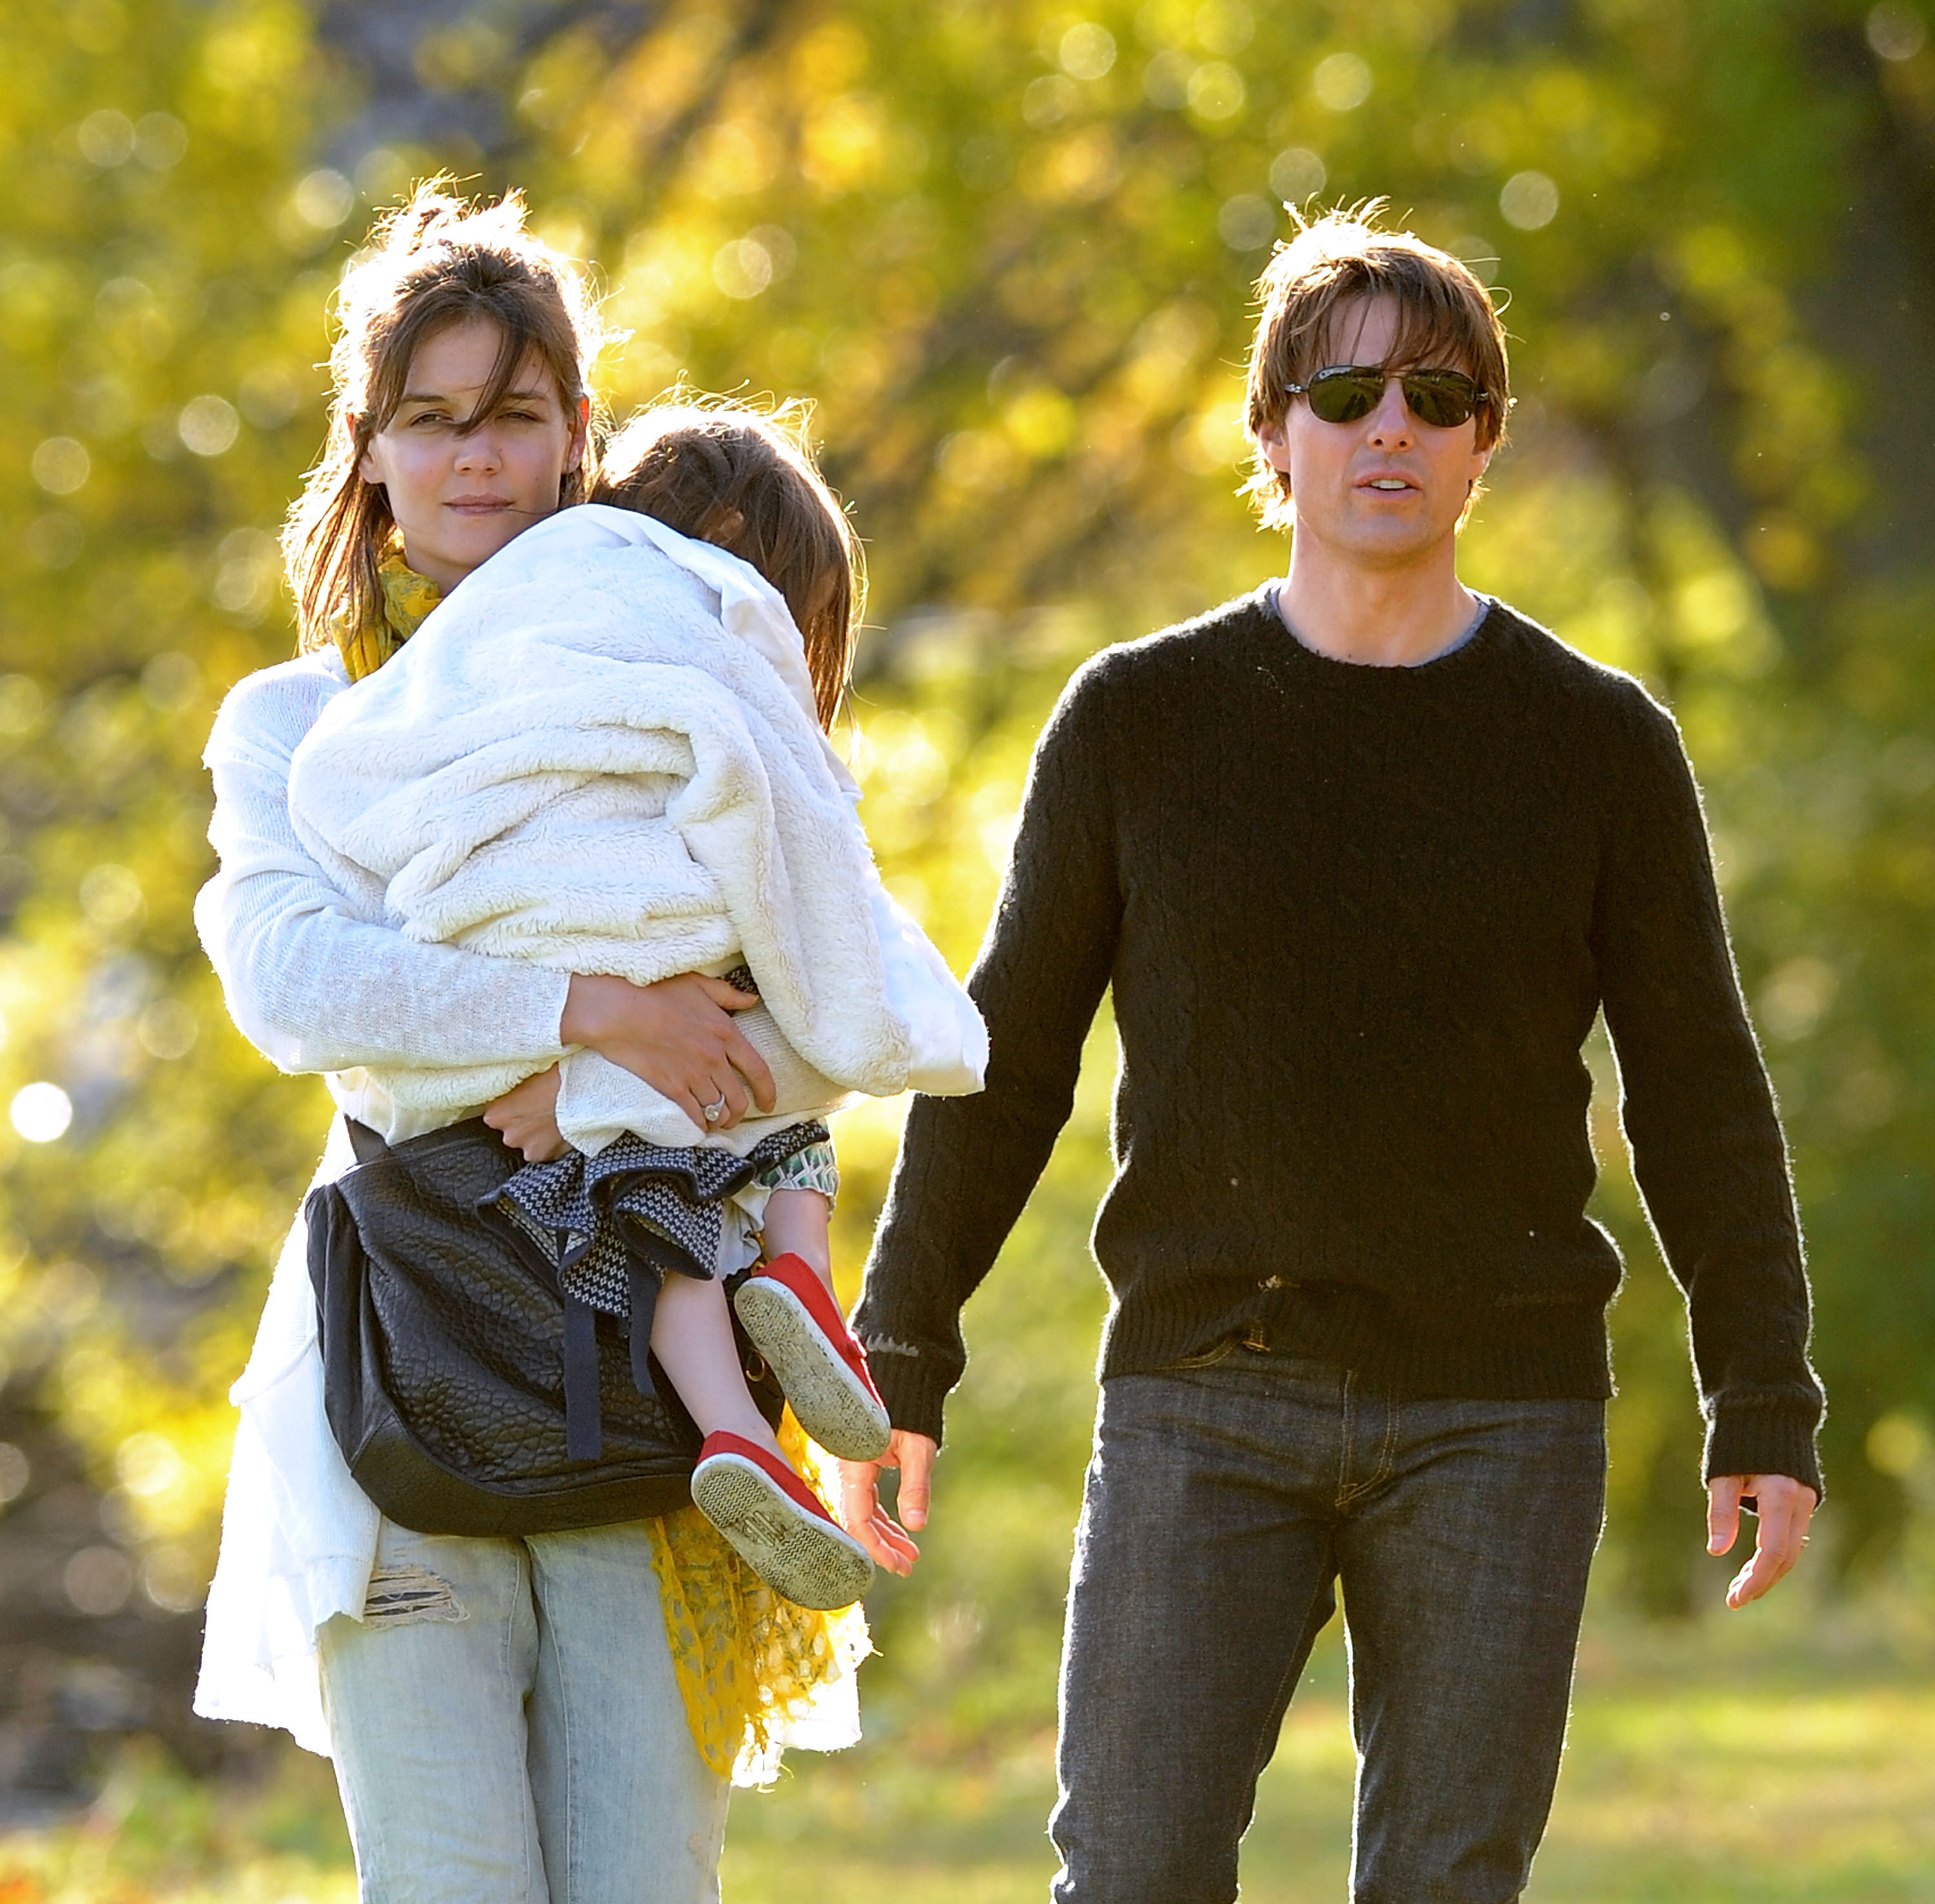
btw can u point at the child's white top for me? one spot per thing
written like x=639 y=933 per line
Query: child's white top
x=600 y=753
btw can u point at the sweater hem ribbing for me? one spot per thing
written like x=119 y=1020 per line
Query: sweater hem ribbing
x=1555 y=1352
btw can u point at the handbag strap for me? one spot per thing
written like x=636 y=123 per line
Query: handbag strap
x=583 y=1429
x=364 y=1141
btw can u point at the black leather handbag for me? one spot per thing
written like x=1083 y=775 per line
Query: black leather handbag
x=458 y=1375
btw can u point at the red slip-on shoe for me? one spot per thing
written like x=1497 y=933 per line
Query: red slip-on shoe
x=777 y=1525
x=796 y=1325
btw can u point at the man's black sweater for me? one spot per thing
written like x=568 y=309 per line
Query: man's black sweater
x=1357 y=921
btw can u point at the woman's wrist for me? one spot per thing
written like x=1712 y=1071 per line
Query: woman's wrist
x=586 y=1018
x=572 y=1027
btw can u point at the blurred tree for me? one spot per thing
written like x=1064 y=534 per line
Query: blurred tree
x=1008 y=245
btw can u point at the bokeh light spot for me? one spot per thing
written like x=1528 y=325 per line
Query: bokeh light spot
x=42 y=1112
x=1529 y=200
x=742 y=268
x=173 y=1579
x=208 y=425
x=98 y=1581
x=106 y=138
x=61 y=465
x=1897 y=31
x=1898 y=1444
x=167 y=1029
x=1087 y=50
x=1246 y=222
x=1343 y=82
x=1296 y=173
x=323 y=199
x=160 y=141
x=1048 y=99
x=1216 y=91
x=146 y=1463
x=1166 y=79
x=16 y=1471
x=110 y=895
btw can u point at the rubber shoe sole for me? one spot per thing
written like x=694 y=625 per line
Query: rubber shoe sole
x=804 y=1559
x=828 y=1400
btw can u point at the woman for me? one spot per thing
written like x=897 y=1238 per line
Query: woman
x=508 y=1719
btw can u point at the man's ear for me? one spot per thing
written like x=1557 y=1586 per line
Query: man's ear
x=1274 y=444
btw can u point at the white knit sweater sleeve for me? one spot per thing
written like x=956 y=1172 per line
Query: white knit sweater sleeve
x=315 y=981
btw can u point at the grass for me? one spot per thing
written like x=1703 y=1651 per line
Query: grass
x=1791 y=1763
x=1702 y=1769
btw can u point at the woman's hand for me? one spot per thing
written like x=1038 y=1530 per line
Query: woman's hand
x=677 y=1035
x=526 y=1117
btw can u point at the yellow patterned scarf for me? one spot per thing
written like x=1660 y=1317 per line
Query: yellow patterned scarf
x=408 y=598
x=754 y=1670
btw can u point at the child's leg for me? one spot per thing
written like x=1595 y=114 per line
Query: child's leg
x=796 y=1225
x=744 y=1485
x=794 y=1320
x=691 y=1336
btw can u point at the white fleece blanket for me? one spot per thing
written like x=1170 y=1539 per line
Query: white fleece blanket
x=600 y=752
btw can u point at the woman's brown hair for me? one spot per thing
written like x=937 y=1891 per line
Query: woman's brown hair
x=435 y=261
x=746 y=480
x=1445 y=317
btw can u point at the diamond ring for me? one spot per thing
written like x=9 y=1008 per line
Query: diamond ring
x=713 y=1112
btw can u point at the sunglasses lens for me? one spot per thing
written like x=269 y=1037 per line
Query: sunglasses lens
x=1444 y=399
x=1345 y=396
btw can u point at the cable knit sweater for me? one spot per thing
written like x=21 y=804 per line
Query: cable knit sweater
x=1358 y=922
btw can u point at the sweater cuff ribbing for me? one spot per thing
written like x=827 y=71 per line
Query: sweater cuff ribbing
x=916 y=1393
x=1761 y=1440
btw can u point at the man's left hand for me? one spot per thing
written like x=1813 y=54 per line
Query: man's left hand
x=859 y=1507
x=1784 y=1507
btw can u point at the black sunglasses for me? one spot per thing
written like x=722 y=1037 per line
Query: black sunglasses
x=1346 y=393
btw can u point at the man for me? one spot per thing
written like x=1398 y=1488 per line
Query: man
x=1361 y=855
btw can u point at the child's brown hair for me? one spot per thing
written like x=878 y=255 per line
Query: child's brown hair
x=746 y=480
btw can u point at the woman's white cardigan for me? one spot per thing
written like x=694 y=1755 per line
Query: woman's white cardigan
x=319 y=981
x=315 y=988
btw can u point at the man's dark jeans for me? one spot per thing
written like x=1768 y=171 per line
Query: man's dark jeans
x=1225 y=1504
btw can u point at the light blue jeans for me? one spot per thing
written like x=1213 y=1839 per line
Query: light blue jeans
x=508 y=1729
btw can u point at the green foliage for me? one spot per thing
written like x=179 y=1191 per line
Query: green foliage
x=1008 y=247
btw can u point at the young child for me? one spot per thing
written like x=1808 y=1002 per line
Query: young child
x=606 y=750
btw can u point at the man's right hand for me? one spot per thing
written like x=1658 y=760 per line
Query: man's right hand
x=861 y=1512
x=677 y=1035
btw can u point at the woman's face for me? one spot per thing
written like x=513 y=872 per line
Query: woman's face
x=461 y=486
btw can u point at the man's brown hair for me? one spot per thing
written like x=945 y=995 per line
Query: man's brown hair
x=746 y=480
x=1446 y=320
